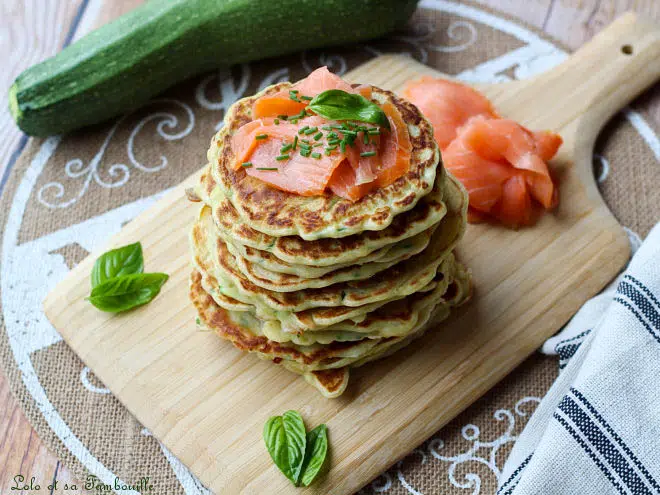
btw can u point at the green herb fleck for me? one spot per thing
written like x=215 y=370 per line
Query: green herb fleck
x=295 y=142
x=303 y=129
x=318 y=135
x=368 y=153
x=246 y=164
x=282 y=157
x=305 y=152
x=261 y=136
x=268 y=168
x=286 y=148
x=306 y=98
x=316 y=155
x=311 y=130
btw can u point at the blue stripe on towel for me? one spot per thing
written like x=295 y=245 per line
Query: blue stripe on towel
x=604 y=446
x=508 y=486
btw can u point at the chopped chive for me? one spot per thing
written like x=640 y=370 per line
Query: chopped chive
x=267 y=168
x=318 y=135
x=342 y=146
x=276 y=121
x=334 y=141
x=328 y=152
x=293 y=96
x=368 y=153
x=246 y=164
x=306 y=152
x=295 y=142
x=283 y=117
x=294 y=121
x=316 y=155
x=282 y=157
x=326 y=128
x=349 y=132
x=261 y=136
x=332 y=135
x=316 y=145
x=336 y=126
x=374 y=132
x=307 y=98
x=305 y=141
x=365 y=138
x=294 y=91
x=286 y=148
x=330 y=148
x=303 y=129
x=311 y=130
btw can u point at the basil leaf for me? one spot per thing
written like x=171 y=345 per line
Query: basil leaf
x=317 y=449
x=127 y=292
x=286 y=440
x=121 y=261
x=336 y=104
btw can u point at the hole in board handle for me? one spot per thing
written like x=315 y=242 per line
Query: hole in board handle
x=627 y=49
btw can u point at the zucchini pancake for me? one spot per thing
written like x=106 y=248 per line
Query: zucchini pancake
x=327 y=228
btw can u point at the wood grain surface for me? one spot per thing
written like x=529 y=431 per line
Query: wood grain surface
x=31 y=30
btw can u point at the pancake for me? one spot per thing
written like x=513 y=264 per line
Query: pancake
x=278 y=213
x=246 y=333
x=280 y=282
x=399 y=251
x=302 y=321
x=391 y=318
x=358 y=248
x=397 y=281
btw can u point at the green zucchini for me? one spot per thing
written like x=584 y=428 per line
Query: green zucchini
x=121 y=65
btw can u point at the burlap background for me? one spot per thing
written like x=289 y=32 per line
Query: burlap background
x=91 y=174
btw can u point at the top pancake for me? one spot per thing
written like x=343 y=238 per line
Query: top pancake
x=278 y=213
x=360 y=248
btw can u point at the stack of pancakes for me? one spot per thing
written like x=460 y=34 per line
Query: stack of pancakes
x=322 y=284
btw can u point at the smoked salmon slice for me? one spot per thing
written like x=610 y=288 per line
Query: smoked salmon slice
x=286 y=154
x=502 y=164
x=351 y=182
x=282 y=104
x=447 y=104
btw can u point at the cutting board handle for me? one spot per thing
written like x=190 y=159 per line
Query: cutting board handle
x=600 y=78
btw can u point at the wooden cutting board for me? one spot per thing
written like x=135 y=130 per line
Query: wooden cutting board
x=207 y=402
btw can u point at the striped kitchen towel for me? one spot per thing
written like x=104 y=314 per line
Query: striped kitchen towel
x=597 y=431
